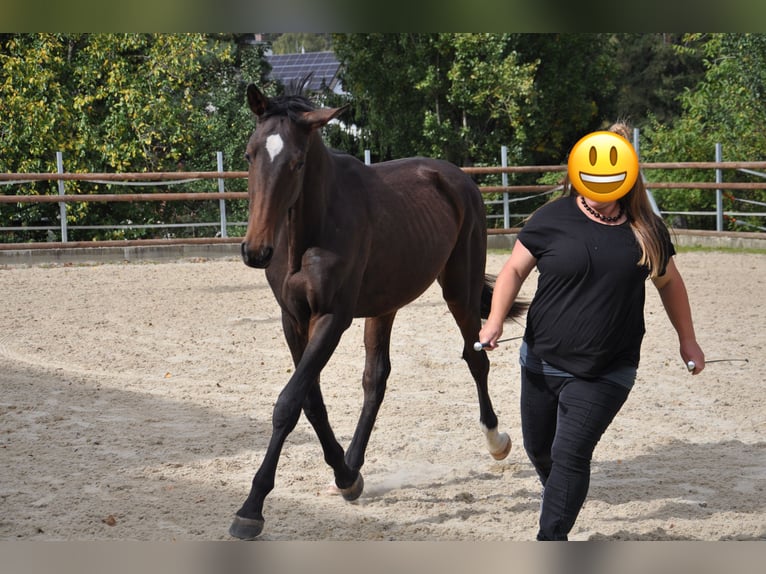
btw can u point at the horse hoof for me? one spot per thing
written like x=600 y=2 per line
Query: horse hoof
x=355 y=490
x=503 y=451
x=246 y=528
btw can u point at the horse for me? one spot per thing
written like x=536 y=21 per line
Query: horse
x=340 y=240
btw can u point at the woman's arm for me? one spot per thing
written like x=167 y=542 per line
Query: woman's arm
x=507 y=286
x=675 y=299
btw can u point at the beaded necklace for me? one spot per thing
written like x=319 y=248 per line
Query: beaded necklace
x=597 y=215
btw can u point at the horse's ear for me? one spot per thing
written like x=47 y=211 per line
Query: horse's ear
x=318 y=118
x=256 y=100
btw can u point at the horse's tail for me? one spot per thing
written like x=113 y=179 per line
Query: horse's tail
x=517 y=309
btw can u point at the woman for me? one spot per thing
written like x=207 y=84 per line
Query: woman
x=584 y=330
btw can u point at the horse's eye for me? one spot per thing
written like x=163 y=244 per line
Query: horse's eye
x=299 y=165
x=247 y=157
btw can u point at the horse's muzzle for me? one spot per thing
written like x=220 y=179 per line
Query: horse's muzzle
x=257 y=258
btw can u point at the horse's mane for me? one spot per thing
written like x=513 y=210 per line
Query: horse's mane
x=293 y=102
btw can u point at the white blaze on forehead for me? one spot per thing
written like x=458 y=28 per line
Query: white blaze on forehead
x=274 y=145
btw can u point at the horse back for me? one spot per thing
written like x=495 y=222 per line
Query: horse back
x=429 y=177
x=430 y=197
x=421 y=212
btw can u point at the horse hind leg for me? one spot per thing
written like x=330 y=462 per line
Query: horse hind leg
x=464 y=302
x=377 y=342
x=498 y=443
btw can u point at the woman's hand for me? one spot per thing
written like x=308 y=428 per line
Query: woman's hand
x=691 y=353
x=489 y=335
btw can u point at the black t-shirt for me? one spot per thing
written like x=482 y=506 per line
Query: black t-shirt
x=587 y=315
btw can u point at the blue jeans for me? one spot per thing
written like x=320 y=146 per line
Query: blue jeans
x=562 y=420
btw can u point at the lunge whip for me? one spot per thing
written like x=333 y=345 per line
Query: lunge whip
x=691 y=364
x=478 y=345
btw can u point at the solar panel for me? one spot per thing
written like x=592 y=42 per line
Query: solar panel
x=288 y=67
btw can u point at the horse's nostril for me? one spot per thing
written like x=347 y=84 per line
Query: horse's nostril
x=260 y=258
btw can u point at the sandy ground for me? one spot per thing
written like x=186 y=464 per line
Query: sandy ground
x=136 y=404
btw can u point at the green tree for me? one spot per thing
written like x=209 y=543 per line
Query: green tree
x=227 y=121
x=463 y=96
x=379 y=74
x=34 y=104
x=573 y=93
x=726 y=107
x=298 y=42
x=654 y=69
x=165 y=102
x=36 y=116
x=455 y=96
x=117 y=102
x=485 y=90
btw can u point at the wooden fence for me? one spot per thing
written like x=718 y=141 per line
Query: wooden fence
x=222 y=196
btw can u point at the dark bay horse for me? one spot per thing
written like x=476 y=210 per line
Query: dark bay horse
x=339 y=240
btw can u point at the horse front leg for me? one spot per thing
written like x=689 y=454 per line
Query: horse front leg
x=349 y=482
x=248 y=522
x=377 y=367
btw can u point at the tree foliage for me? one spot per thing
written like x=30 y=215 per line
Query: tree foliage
x=166 y=102
x=485 y=90
x=655 y=69
x=463 y=96
x=446 y=95
x=379 y=72
x=573 y=94
x=299 y=42
x=725 y=107
x=117 y=103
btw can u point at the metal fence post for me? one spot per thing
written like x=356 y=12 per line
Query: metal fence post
x=504 y=180
x=221 y=202
x=718 y=192
x=653 y=203
x=367 y=160
x=62 y=204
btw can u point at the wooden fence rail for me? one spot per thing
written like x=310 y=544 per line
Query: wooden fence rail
x=123 y=197
x=168 y=178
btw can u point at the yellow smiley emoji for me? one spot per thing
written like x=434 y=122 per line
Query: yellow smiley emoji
x=603 y=166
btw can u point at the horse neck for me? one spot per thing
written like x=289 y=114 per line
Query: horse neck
x=308 y=215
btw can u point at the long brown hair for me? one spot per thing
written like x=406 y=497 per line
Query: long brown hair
x=649 y=229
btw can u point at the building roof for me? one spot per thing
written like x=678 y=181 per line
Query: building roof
x=324 y=67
